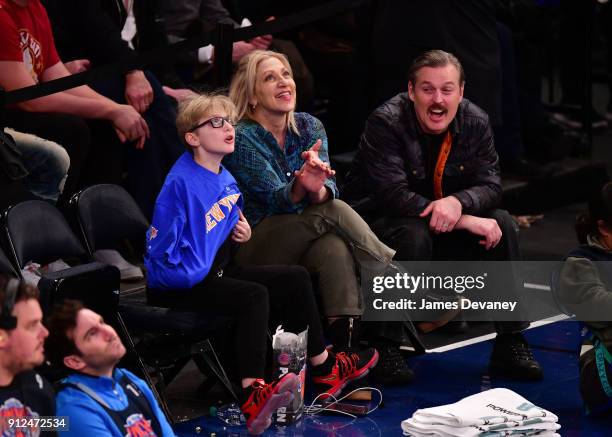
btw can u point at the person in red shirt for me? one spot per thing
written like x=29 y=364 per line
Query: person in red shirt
x=28 y=56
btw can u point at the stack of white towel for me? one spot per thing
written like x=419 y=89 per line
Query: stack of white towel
x=492 y=413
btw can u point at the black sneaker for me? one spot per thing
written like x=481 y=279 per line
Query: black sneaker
x=347 y=367
x=512 y=358
x=392 y=368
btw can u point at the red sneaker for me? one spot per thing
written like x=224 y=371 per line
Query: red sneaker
x=348 y=367
x=265 y=399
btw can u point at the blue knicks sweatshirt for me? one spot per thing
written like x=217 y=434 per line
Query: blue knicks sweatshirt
x=195 y=212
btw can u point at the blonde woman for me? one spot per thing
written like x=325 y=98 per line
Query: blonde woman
x=291 y=200
x=197 y=220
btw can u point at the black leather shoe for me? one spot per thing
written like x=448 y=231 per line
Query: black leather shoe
x=512 y=358
x=392 y=368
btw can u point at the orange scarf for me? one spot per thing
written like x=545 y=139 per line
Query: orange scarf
x=440 y=163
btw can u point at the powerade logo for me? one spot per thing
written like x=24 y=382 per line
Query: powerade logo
x=503 y=410
x=137 y=426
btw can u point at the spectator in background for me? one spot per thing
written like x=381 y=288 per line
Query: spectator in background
x=12 y=173
x=186 y=18
x=585 y=289
x=99 y=398
x=24 y=394
x=429 y=173
x=97 y=32
x=28 y=56
x=46 y=162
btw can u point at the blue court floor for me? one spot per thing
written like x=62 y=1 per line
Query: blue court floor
x=443 y=378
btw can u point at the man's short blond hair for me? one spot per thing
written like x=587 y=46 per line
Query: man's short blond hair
x=193 y=110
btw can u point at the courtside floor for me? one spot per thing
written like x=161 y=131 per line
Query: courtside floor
x=447 y=377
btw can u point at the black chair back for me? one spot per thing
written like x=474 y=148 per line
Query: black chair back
x=37 y=231
x=108 y=214
x=5 y=265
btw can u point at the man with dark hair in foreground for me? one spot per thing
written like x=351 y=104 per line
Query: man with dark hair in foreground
x=100 y=399
x=24 y=394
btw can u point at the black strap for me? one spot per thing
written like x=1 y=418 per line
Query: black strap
x=135 y=398
x=138 y=397
x=172 y=52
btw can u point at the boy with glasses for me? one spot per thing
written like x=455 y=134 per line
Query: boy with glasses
x=197 y=222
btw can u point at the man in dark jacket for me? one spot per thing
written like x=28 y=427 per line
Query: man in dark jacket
x=428 y=166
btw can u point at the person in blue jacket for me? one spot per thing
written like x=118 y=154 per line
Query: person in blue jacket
x=197 y=224
x=99 y=398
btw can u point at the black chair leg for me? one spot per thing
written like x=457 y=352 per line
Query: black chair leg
x=161 y=398
x=171 y=372
x=411 y=330
x=211 y=367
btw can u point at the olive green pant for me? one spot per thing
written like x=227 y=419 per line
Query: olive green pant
x=330 y=240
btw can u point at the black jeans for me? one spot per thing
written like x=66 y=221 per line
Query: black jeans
x=255 y=298
x=146 y=168
x=413 y=241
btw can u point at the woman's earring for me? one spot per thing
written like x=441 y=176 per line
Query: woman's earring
x=252 y=107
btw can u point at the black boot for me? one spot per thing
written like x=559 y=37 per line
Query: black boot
x=512 y=358
x=392 y=368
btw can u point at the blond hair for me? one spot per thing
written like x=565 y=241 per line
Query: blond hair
x=192 y=110
x=242 y=88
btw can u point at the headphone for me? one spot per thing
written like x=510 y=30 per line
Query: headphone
x=7 y=320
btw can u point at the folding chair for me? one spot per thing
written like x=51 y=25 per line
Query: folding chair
x=107 y=214
x=5 y=265
x=37 y=231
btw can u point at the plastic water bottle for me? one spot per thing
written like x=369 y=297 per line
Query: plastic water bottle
x=230 y=414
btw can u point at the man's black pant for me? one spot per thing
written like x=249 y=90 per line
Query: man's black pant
x=255 y=298
x=146 y=168
x=413 y=241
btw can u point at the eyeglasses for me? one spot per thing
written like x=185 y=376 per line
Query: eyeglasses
x=215 y=122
